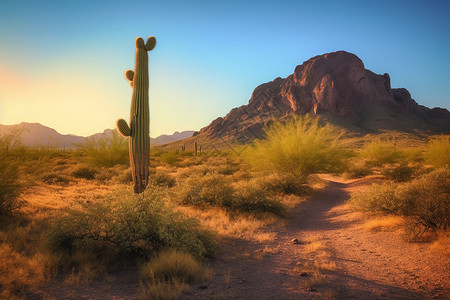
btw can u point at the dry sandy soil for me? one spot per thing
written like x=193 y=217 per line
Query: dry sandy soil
x=335 y=257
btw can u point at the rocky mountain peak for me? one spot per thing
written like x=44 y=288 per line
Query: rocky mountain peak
x=335 y=84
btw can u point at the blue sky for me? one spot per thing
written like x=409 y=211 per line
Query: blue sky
x=62 y=62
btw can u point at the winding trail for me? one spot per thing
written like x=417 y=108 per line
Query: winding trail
x=334 y=258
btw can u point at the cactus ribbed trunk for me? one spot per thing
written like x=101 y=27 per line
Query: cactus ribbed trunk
x=139 y=129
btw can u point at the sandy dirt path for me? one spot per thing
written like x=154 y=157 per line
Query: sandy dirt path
x=334 y=258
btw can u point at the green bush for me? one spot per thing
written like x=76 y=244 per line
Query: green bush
x=131 y=225
x=298 y=147
x=425 y=200
x=437 y=151
x=10 y=187
x=379 y=152
x=84 y=172
x=106 y=151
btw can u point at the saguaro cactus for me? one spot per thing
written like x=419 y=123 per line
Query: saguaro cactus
x=139 y=131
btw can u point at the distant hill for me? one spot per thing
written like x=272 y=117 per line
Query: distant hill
x=38 y=135
x=337 y=87
x=176 y=136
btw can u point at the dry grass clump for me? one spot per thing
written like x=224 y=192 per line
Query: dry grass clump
x=171 y=265
x=384 y=223
x=227 y=225
x=167 y=275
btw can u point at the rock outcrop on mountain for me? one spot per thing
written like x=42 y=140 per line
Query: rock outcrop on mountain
x=335 y=85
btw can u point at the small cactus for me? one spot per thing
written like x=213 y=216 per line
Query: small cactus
x=195 y=148
x=139 y=129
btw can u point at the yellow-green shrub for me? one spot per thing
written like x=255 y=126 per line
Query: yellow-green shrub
x=437 y=151
x=299 y=147
x=379 y=152
x=106 y=151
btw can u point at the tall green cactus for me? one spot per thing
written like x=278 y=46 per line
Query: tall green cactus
x=139 y=131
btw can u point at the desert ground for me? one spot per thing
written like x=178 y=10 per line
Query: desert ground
x=218 y=227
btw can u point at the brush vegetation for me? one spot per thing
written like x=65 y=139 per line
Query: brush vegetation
x=297 y=148
x=425 y=200
x=72 y=215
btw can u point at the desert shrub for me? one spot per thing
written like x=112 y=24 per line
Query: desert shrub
x=379 y=152
x=412 y=155
x=425 y=200
x=170 y=158
x=162 y=179
x=10 y=187
x=131 y=225
x=357 y=169
x=379 y=198
x=53 y=178
x=251 y=197
x=105 y=174
x=170 y=265
x=437 y=151
x=210 y=189
x=298 y=147
x=216 y=190
x=84 y=172
x=155 y=152
x=124 y=176
x=400 y=173
x=106 y=151
x=190 y=161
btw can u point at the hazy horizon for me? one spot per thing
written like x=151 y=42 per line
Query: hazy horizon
x=62 y=63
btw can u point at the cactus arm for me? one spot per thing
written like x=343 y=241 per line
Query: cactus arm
x=123 y=127
x=129 y=75
x=150 y=44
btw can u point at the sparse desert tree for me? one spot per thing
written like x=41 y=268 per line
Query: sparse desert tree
x=299 y=147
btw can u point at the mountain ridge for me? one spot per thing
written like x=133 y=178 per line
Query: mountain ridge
x=38 y=135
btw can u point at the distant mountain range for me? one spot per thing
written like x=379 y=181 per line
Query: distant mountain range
x=38 y=135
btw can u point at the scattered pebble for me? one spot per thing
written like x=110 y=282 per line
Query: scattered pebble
x=295 y=241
